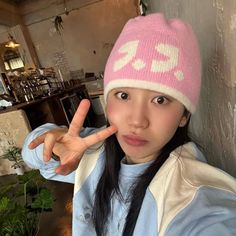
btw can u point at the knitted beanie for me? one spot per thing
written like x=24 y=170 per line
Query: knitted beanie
x=156 y=54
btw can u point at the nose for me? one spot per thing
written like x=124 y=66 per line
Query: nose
x=138 y=116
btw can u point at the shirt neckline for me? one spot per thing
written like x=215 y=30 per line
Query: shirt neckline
x=133 y=170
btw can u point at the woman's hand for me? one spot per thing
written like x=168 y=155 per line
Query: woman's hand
x=67 y=144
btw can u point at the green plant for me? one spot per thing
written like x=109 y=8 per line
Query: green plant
x=22 y=203
x=13 y=154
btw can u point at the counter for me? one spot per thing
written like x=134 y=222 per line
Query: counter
x=58 y=108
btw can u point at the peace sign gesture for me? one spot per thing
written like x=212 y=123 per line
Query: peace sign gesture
x=67 y=144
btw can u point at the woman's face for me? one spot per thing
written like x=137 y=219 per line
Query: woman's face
x=146 y=121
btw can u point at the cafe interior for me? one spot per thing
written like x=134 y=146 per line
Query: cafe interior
x=52 y=55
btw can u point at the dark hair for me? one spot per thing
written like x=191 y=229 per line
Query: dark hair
x=108 y=183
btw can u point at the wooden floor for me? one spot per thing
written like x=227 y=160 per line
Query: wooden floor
x=59 y=221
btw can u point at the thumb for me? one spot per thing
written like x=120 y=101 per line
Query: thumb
x=66 y=169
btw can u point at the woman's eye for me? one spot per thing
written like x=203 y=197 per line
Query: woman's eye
x=160 y=100
x=122 y=95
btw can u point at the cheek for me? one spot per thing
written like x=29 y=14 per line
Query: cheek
x=113 y=115
x=169 y=122
x=173 y=121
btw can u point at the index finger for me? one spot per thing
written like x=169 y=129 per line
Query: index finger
x=99 y=136
x=79 y=117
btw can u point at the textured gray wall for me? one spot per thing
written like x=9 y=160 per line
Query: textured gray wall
x=214 y=124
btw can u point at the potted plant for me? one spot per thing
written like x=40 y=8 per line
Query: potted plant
x=13 y=154
x=22 y=203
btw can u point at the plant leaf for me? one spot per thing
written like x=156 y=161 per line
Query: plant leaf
x=43 y=200
x=4 y=202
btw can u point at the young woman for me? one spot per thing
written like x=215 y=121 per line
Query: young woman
x=141 y=175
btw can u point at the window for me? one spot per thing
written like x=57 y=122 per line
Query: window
x=12 y=60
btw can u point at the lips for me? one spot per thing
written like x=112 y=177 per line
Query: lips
x=134 y=140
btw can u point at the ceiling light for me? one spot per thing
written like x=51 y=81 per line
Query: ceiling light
x=12 y=42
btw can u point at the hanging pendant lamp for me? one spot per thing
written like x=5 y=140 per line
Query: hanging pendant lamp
x=12 y=42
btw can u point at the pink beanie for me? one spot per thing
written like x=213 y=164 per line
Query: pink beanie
x=156 y=54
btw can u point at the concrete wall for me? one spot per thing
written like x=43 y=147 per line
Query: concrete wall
x=87 y=37
x=214 y=124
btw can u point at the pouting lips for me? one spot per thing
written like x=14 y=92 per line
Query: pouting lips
x=134 y=140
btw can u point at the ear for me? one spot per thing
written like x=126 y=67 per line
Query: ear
x=184 y=119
